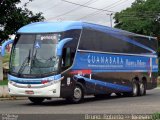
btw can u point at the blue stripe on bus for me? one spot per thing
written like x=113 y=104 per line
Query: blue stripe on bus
x=32 y=81
x=127 y=71
x=27 y=82
x=106 y=84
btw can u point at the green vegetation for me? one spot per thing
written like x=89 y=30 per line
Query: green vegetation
x=142 y=18
x=156 y=116
x=4 y=82
x=14 y=17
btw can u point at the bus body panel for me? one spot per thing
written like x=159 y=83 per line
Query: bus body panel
x=113 y=73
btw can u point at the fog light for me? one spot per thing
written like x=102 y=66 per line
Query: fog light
x=54 y=90
x=9 y=90
x=12 y=83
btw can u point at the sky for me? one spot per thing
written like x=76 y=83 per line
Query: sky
x=62 y=10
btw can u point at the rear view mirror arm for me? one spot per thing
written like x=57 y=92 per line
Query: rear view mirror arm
x=3 y=47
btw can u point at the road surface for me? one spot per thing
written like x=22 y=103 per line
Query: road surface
x=115 y=105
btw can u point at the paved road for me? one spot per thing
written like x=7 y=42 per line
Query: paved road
x=125 y=105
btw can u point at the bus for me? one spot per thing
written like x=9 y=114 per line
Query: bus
x=71 y=59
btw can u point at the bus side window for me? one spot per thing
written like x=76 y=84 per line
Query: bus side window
x=66 y=58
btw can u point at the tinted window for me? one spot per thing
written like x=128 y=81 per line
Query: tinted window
x=149 y=42
x=69 y=48
x=99 y=41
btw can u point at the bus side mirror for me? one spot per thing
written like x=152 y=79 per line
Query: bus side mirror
x=3 y=47
x=61 y=44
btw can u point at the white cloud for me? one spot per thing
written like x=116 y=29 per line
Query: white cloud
x=66 y=11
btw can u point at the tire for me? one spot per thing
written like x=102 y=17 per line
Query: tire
x=78 y=94
x=102 y=95
x=142 y=89
x=36 y=100
x=134 y=92
x=135 y=89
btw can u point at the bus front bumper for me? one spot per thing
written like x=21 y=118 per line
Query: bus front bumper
x=34 y=90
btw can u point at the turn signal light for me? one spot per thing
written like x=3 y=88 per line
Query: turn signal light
x=44 y=81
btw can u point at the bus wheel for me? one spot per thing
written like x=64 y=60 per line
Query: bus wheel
x=142 y=89
x=78 y=94
x=36 y=100
x=134 y=89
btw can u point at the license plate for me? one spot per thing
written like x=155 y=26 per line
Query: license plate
x=29 y=92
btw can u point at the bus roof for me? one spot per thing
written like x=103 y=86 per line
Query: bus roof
x=49 y=27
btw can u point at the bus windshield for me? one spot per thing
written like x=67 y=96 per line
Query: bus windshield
x=34 y=54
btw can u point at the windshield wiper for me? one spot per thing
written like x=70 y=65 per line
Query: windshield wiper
x=33 y=62
x=25 y=62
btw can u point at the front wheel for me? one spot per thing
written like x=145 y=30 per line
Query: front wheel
x=36 y=100
x=78 y=94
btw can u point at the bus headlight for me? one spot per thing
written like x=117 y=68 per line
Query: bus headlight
x=12 y=83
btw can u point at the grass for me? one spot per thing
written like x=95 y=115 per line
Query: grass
x=4 y=82
x=156 y=116
x=158 y=81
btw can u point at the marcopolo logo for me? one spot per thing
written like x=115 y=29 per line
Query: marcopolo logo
x=48 y=37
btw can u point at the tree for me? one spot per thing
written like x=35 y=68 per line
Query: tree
x=13 y=17
x=143 y=17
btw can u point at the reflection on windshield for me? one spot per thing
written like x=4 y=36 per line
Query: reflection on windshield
x=34 y=54
x=42 y=65
x=24 y=64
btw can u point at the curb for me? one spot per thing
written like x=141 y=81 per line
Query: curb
x=157 y=88
x=13 y=98
x=4 y=91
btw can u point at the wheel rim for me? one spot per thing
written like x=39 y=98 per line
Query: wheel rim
x=77 y=93
x=135 y=89
x=142 y=88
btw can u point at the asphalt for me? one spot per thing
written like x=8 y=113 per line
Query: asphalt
x=148 y=104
